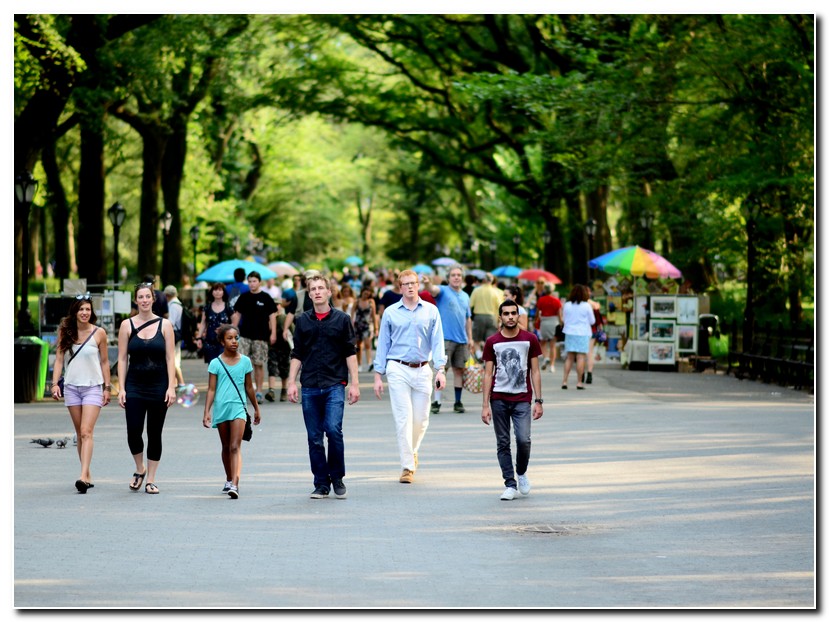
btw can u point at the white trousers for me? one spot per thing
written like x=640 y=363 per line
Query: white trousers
x=409 y=392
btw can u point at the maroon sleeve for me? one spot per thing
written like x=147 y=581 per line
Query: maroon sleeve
x=535 y=347
x=489 y=350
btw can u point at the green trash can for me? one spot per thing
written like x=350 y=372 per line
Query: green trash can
x=28 y=360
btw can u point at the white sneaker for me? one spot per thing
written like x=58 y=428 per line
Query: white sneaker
x=509 y=494
x=524 y=484
x=361 y=369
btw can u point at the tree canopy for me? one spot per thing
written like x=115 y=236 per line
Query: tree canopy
x=398 y=137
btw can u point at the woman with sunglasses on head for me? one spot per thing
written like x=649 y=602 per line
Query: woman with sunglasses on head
x=147 y=375
x=83 y=360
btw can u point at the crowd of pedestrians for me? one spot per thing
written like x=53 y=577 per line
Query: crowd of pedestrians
x=309 y=337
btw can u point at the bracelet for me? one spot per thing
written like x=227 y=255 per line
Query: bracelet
x=108 y=387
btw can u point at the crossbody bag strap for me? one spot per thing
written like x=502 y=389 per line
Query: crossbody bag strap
x=233 y=382
x=75 y=353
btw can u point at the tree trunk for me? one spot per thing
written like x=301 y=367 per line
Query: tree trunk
x=91 y=262
x=59 y=210
x=154 y=143
x=173 y=162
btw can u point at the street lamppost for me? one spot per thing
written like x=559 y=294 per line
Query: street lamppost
x=590 y=228
x=117 y=214
x=220 y=240
x=547 y=239
x=194 y=236
x=493 y=246
x=516 y=242
x=25 y=187
x=166 y=223
x=646 y=220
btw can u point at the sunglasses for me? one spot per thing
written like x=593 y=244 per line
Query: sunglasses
x=143 y=285
x=85 y=296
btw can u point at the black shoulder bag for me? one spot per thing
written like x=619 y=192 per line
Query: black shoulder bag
x=248 y=434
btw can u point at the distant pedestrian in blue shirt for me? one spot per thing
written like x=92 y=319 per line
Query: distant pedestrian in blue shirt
x=456 y=317
x=411 y=334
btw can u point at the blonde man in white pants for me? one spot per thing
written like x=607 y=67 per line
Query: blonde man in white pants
x=411 y=334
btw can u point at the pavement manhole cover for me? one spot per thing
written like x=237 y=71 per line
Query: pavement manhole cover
x=552 y=529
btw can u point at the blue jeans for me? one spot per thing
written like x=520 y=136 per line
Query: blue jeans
x=520 y=413
x=322 y=410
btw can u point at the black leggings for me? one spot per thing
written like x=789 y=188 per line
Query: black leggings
x=156 y=412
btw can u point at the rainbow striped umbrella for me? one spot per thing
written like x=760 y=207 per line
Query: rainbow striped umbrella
x=635 y=261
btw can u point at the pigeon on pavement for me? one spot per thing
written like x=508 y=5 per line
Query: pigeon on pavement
x=43 y=442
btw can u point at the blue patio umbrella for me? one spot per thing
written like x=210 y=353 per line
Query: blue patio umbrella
x=509 y=272
x=477 y=273
x=444 y=261
x=353 y=260
x=222 y=272
x=422 y=268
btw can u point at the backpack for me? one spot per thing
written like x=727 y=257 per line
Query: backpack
x=188 y=326
x=233 y=293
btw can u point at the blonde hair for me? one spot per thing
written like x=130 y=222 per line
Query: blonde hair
x=407 y=273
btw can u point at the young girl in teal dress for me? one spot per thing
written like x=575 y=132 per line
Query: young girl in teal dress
x=230 y=377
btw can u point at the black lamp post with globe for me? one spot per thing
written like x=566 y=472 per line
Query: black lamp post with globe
x=117 y=214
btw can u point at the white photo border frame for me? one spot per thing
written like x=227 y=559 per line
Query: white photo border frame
x=665 y=323
x=657 y=301
x=694 y=332
x=654 y=356
x=687 y=310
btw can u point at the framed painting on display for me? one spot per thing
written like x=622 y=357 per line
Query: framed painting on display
x=687 y=310
x=663 y=306
x=686 y=339
x=663 y=330
x=661 y=353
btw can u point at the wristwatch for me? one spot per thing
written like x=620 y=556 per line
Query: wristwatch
x=538 y=400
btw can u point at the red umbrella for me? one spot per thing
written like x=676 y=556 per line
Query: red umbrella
x=533 y=274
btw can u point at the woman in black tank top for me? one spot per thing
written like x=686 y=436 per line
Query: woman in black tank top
x=146 y=373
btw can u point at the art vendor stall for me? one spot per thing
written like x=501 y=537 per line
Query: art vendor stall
x=650 y=323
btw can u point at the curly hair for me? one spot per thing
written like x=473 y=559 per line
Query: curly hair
x=223 y=330
x=68 y=329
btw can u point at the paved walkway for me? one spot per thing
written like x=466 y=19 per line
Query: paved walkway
x=649 y=490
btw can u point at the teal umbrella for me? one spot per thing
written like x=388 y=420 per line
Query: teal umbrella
x=422 y=268
x=509 y=272
x=353 y=260
x=223 y=272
